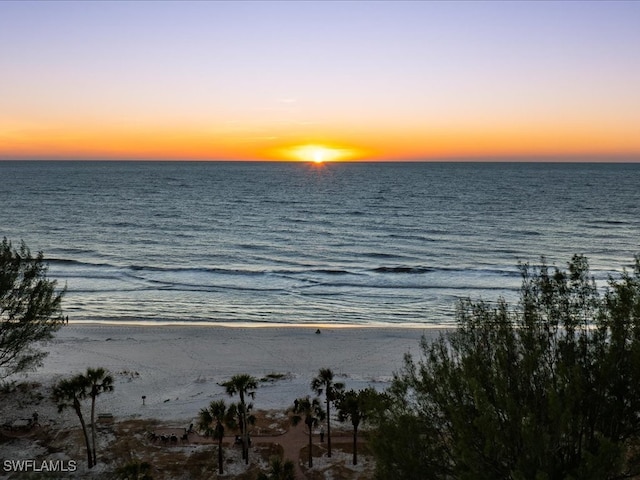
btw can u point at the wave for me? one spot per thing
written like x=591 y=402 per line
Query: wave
x=608 y=222
x=98 y=270
x=420 y=238
x=213 y=270
x=410 y=286
x=330 y=271
x=403 y=270
x=602 y=224
x=68 y=261
x=381 y=255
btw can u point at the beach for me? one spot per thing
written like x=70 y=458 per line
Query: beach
x=178 y=369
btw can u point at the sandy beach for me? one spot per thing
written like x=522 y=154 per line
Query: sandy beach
x=178 y=368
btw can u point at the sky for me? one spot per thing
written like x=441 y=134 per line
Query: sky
x=320 y=81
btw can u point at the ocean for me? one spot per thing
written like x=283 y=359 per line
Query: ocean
x=368 y=244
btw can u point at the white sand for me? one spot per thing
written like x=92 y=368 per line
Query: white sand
x=179 y=368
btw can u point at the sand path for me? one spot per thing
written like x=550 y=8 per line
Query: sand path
x=292 y=441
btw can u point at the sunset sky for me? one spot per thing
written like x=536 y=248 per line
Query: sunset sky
x=319 y=80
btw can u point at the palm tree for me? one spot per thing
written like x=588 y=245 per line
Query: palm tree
x=219 y=414
x=99 y=381
x=311 y=412
x=357 y=406
x=279 y=470
x=363 y=405
x=68 y=393
x=324 y=382
x=243 y=385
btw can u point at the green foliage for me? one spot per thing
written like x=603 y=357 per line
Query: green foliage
x=547 y=389
x=30 y=308
x=70 y=392
x=99 y=381
x=274 y=377
x=357 y=407
x=332 y=390
x=243 y=385
x=310 y=412
x=307 y=410
x=212 y=422
x=279 y=470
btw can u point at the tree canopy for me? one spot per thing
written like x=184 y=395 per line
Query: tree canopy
x=212 y=422
x=310 y=412
x=72 y=391
x=323 y=382
x=548 y=388
x=30 y=308
x=357 y=407
x=243 y=385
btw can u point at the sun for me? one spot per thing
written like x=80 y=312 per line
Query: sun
x=318 y=156
x=315 y=153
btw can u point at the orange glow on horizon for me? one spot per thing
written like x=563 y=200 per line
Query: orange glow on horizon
x=316 y=153
x=194 y=142
x=227 y=85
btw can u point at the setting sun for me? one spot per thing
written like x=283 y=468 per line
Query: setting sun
x=245 y=89
x=317 y=153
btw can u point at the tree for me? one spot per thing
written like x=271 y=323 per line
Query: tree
x=71 y=391
x=99 y=381
x=324 y=383
x=548 y=388
x=68 y=393
x=30 y=308
x=244 y=386
x=279 y=470
x=356 y=406
x=311 y=412
x=212 y=420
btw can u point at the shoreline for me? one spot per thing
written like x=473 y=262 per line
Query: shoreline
x=251 y=325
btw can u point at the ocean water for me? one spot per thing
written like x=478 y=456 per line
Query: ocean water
x=294 y=243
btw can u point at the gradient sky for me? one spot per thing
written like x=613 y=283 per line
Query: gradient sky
x=344 y=80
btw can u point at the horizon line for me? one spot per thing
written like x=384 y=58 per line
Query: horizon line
x=625 y=158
